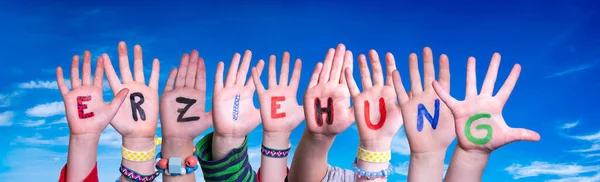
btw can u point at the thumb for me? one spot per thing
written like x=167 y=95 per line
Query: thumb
x=450 y=101
x=522 y=134
x=117 y=101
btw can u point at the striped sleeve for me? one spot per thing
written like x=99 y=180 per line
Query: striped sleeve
x=234 y=167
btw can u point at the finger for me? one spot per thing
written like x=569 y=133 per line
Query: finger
x=428 y=68
x=390 y=64
x=348 y=63
x=218 y=78
x=259 y=68
x=296 y=74
x=171 y=80
x=509 y=84
x=243 y=71
x=272 y=71
x=337 y=64
x=111 y=75
x=86 y=69
x=115 y=104
x=99 y=74
x=75 y=82
x=124 y=63
x=257 y=83
x=415 y=76
x=471 y=79
x=399 y=87
x=490 y=78
x=190 y=78
x=444 y=77
x=182 y=71
x=285 y=69
x=324 y=75
x=314 y=79
x=410 y=95
x=365 y=75
x=233 y=69
x=522 y=134
x=450 y=101
x=155 y=74
x=377 y=69
x=354 y=91
x=138 y=65
x=201 y=76
x=60 y=81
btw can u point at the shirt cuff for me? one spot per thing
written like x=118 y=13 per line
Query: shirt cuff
x=91 y=177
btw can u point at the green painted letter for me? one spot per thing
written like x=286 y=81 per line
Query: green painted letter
x=475 y=140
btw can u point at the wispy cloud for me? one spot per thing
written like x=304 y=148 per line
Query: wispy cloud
x=110 y=137
x=62 y=120
x=538 y=168
x=592 y=155
x=6 y=99
x=6 y=118
x=400 y=144
x=591 y=137
x=38 y=140
x=33 y=123
x=39 y=84
x=594 y=178
x=572 y=70
x=593 y=148
x=570 y=125
x=47 y=109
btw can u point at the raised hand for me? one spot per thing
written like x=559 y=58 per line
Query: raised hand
x=429 y=124
x=234 y=113
x=280 y=112
x=87 y=114
x=479 y=122
x=327 y=97
x=377 y=113
x=138 y=116
x=182 y=108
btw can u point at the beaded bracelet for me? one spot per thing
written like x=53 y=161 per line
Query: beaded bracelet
x=131 y=175
x=362 y=174
x=172 y=166
x=275 y=153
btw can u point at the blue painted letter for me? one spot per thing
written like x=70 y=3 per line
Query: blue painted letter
x=423 y=112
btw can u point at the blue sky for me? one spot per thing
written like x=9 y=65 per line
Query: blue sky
x=556 y=42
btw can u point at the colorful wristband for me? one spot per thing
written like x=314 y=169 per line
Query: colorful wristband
x=131 y=175
x=172 y=166
x=362 y=174
x=371 y=156
x=275 y=153
x=140 y=156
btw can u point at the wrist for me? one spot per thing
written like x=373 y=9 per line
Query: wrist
x=471 y=156
x=139 y=144
x=376 y=146
x=222 y=145
x=277 y=140
x=88 y=139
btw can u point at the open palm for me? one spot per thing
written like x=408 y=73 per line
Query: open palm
x=182 y=108
x=279 y=109
x=377 y=112
x=233 y=109
x=143 y=122
x=329 y=88
x=86 y=111
x=429 y=123
x=479 y=122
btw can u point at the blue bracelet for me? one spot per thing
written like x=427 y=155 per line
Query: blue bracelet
x=362 y=174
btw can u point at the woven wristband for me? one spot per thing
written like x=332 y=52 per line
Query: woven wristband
x=140 y=156
x=131 y=175
x=275 y=153
x=371 y=156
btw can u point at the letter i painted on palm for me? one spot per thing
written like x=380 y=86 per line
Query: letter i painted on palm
x=236 y=107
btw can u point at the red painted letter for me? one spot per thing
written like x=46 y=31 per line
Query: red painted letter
x=81 y=107
x=328 y=111
x=382 y=114
x=275 y=106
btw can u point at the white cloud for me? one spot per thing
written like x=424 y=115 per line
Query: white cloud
x=39 y=84
x=33 y=123
x=400 y=144
x=38 y=140
x=20 y=162
x=6 y=118
x=590 y=137
x=537 y=168
x=569 y=125
x=62 y=120
x=110 y=137
x=6 y=99
x=593 y=148
x=592 y=155
x=47 y=109
x=594 y=178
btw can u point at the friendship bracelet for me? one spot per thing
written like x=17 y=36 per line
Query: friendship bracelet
x=275 y=153
x=362 y=174
x=131 y=175
x=371 y=156
x=172 y=166
x=140 y=156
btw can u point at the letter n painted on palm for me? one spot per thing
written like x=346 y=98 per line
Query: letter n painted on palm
x=422 y=111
